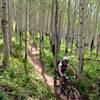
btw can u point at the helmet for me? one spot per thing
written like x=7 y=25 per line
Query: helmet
x=66 y=58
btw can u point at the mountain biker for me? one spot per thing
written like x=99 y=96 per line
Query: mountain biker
x=62 y=67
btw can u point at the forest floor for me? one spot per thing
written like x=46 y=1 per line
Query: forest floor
x=34 y=56
x=48 y=80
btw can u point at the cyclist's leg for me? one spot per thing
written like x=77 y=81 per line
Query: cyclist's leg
x=57 y=78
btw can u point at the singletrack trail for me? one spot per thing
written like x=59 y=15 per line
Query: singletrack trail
x=33 y=54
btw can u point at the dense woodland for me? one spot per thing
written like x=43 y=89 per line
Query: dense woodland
x=56 y=28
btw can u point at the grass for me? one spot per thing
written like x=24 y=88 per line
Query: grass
x=19 y=85
x=15 y=77
x=90 y=74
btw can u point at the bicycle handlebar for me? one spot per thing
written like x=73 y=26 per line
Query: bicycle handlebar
x=70 y=78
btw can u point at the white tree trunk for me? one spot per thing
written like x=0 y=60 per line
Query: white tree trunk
x=81 y=39
x=5 y=28
x=10 y=24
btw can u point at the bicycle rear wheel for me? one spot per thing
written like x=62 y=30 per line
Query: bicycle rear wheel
x=73 y=94
x=57 y=88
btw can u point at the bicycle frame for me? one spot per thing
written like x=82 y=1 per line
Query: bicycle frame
x=66 y=88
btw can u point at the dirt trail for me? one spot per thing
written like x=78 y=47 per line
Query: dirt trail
x=34 y=55
x=48 y=80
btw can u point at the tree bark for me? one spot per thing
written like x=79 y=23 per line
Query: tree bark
x=20 y=21
x=5 y=28
x=73 y=26
x=42 y=20
x=98 y=45
x=67 y=37
x=81 y=40
x=26 y=33
x=54 y=30
x=10 y=25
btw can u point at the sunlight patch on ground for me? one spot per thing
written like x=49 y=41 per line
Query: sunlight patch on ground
x=50 y=80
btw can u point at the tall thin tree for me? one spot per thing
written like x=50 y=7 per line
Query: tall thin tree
x=5 y=28
x=42 y=22
x=81 y=39
x=54 y=30
x=26 y=33
x=10 y=24
x=67 y=37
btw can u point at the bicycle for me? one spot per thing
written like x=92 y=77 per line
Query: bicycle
x=67 y=89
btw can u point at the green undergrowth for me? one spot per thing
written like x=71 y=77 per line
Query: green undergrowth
x=21 y=84
x=15 y=83
x=90 y=75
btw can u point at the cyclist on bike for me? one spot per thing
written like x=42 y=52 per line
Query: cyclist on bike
x=62 y=67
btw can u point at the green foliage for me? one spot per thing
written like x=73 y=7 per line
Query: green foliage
x=20 y=83
x=90 y=67
x=15 y=77
x=3 y=96
x=32 y=84
x=84 y=85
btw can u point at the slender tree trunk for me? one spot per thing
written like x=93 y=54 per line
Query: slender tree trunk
x=54 y=29
x=26 y=35
x=0 y=12
x=98 y=33
x=91 y=47
x=81 y=40
x=94 y=32
x=73 y=27
x=5 y=28
x=20 y=21
x=59 y=30
x=67 y=37
x=98 y=45
x=16 y=18
x=42 y=12
x=10 y=25
x=31 y=20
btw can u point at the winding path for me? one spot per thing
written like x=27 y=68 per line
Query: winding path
x=33 y=53
x=34 y=56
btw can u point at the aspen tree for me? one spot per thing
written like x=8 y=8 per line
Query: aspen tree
x=81 y=39
x=5 y=28
x=67 y=37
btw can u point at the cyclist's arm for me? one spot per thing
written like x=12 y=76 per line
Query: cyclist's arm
x=59 y=69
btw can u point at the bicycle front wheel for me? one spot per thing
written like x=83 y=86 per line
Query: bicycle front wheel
x=73 y=94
